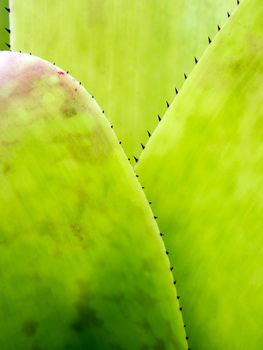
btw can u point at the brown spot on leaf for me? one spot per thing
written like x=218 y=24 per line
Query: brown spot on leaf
x=77 y=231
x=29 y=328
x=68 y=111
x=87 y=316
x=8 y=143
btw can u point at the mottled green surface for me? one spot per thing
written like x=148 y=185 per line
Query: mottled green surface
x=4 y=24
x=82 y=264
x=203 y=171
x=130 y=54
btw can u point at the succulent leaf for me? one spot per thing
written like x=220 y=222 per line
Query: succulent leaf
x=203 y=170
x=131 y=54
x=82 y=264
x=4 y=25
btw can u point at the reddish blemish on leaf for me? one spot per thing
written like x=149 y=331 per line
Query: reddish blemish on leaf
x=61 y=73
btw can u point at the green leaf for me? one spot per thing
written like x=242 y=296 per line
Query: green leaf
x=203 y=171
x=131 y=54
x=82 y=264
x=4 y=25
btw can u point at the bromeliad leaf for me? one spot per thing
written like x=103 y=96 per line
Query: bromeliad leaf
x=82 y=264
x=203 y=169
